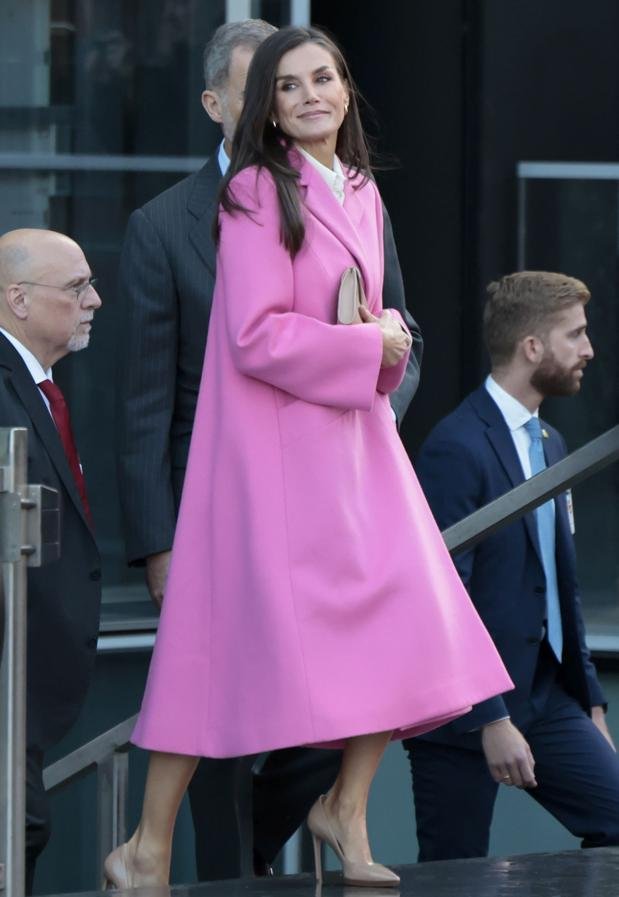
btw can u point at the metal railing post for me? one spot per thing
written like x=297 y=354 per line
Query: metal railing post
x=112 y=788
x=13 y=476
x=25 y=512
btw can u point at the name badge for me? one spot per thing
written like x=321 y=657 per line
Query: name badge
x=570 y=510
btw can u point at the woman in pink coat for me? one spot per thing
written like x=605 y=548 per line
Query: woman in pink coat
x=311 y=600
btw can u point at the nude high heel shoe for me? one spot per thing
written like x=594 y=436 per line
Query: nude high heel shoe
x=366 y=875
x=116 y=871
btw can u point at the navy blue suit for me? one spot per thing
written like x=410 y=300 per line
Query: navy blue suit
x=468 y=460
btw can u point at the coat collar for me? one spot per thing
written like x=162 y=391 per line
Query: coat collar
x=316 y=196
x=201 y=205
x=29 y=395
x=345 y=222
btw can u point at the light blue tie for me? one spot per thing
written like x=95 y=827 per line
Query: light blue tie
x=545 y=517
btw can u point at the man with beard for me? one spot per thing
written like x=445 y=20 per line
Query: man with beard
x=47 y=304
x=547 y=736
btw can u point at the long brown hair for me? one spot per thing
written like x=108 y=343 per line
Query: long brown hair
x=258 y=142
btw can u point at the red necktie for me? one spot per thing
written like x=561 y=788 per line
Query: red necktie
x=60 y=413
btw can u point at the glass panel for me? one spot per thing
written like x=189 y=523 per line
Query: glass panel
x=113 y=84
x=573 y=226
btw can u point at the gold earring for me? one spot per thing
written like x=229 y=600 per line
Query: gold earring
x=346 y=106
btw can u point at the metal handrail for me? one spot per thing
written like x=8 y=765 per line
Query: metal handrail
x=2 y=616
x=88 y=756
x=579 y=465
x=108 y=752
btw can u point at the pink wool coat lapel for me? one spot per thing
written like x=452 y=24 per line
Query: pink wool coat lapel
x=351 y=224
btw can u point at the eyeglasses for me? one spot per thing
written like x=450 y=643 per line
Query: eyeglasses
x=78 y=291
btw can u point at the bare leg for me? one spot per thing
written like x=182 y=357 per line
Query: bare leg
x=347 y=800
x=145 y=858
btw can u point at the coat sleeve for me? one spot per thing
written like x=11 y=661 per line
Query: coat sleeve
x=319 y=362
x=394 y=297
x=147 y=380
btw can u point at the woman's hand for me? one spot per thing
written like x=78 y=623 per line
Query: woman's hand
x=396 y=341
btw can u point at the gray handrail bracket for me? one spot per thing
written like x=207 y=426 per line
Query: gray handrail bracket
x=10 y=531
x=42 y=525
x=41 y=543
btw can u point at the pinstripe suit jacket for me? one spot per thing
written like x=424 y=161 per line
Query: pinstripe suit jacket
x=167 y=277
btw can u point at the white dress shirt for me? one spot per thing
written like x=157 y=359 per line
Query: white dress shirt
x=223 y=159
x=334 y=177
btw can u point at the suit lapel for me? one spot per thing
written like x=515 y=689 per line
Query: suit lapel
x=202 y=207
x=500 y=438
x=30 y=396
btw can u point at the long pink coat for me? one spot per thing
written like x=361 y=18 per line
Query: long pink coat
x=310 y=595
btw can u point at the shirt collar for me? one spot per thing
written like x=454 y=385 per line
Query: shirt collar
x=333 y=176
x=37 y=372
x=514 y=412
x=223 y=158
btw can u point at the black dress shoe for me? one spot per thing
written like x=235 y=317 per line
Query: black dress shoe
x=262 y=869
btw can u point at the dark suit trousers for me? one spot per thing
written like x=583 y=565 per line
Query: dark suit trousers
x=37 y=814
x=576 y=770
x=281 y=792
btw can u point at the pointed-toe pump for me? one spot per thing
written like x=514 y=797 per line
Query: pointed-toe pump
x=116 y=875
x=366 y=875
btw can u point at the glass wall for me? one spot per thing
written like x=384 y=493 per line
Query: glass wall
x=569 y=222
x=100 y=111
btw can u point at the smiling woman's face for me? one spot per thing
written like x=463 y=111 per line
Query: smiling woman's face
x=310 y=99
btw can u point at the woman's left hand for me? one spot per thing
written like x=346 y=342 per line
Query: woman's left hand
x=396 y=341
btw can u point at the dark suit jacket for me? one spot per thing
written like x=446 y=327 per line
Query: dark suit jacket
x=167 y=277
x=468 y=460
x=63 y=596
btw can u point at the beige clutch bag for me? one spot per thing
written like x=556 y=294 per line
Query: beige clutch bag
x=351 y=295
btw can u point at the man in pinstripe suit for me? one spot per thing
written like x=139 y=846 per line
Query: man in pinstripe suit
x=167 y=275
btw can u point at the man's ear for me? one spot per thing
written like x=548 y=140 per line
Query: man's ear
x=211 y=102
x=17 y=301
x=533 y=349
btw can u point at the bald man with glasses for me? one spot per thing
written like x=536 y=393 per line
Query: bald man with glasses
x=47 y=304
